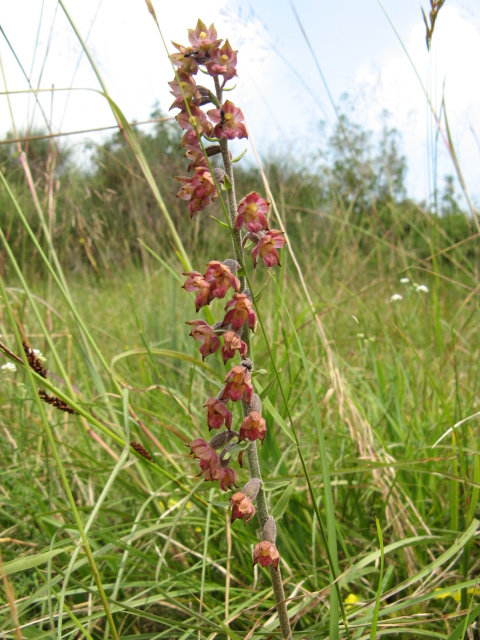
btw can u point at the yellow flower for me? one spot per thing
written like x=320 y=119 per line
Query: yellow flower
x=351 y=599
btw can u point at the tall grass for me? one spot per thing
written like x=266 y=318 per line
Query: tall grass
x=99 y=542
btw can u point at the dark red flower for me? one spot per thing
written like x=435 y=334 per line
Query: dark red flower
x=217 y=414
x=251 y=212
x=242 y=507
x=239 y=384
x=241 y=311
x=231 y=343
x=253 y=427
x=266 y=554
x=228 y=122
x=196 y=282
x=204 y=333
x=221 y=278
x=267 y=248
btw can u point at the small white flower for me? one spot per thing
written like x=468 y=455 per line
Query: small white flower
x=9 y=366
x=360 y=335
x=39 y=355
x=372 y=338
x=404 y=280
x=422 y=287
x=395 y=297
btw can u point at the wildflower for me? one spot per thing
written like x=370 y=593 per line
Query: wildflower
x=202 y=450
x=185 y=60
x=221 y=278
x=422 y=287
x=266 y=554
x=217 y=414
x=223 y=62
x=231 y=343
x=241 y=311
x=203 y=40
x=253 y=427
x=8 y=366
x=404 y=280
x=242 y=507
x=267 y=248
x=351 y=600
x=209 y=460
x=197 y=158
x=395 y=297
x=228 y=477
x=190 y=141
x=196 y=121
x=184 y=91
x=204 y=333
x=238 y=385
x=199 y=189
x=196 y=282
x=228 y=122
x=251 y=211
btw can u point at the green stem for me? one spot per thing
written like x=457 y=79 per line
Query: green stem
x=252 y=453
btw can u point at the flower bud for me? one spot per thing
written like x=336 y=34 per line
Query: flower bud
x=232 y=265
x=248 y=293
x=266 y=555
x=269 y=533
x=222 y=439
x=252 y=488
x=213 y=150
x=219 y=175
x=242 y=507
x=205 y=95
x=255 y=404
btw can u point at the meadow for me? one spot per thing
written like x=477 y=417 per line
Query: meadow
x=375 y=308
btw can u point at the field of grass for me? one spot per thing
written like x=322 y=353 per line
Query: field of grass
x=368 y=349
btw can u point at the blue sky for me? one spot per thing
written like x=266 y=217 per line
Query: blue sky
x=353 y=43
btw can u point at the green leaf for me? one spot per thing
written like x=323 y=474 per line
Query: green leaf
x=221 y=223
x=274 y=413
x=260 y=293
x=272 y=485
x=240 y=156
x=267 y=389
x=259 y=372
x=241 y=446
x=227 y=185
x=28 y=562
x=282 y=504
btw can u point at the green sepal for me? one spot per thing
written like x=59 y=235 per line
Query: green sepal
x=222 y=224
x=238 y=158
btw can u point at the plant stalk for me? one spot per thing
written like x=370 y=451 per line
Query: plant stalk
x=252 y=453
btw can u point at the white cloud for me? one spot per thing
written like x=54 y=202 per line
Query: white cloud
x=449 y=70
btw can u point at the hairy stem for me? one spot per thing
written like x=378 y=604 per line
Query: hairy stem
x=252 y=453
